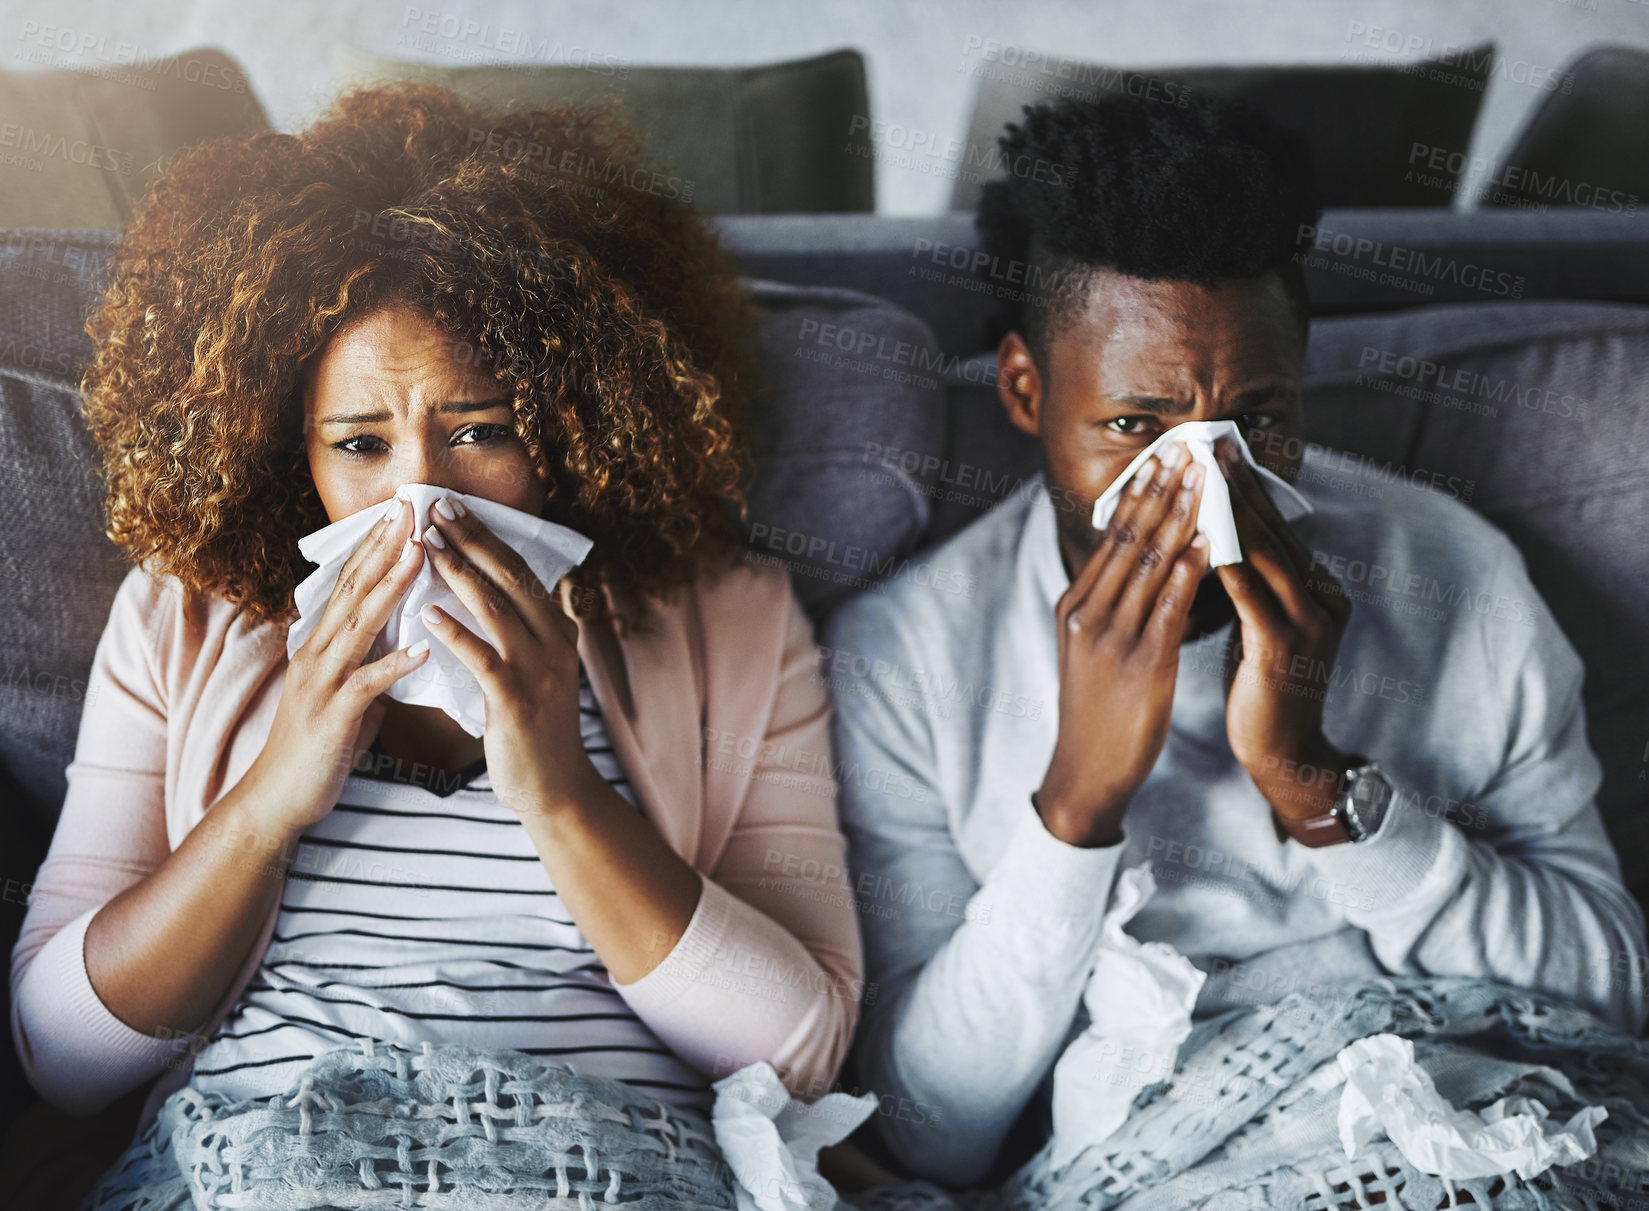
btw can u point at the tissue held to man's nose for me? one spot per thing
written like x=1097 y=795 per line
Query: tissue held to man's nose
x=443 y=680
x=1214 y=518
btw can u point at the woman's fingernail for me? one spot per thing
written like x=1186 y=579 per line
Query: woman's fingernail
x=390 y=510
x=459 y=505
x=433 y=537
x=418 y=649
x=444 y=508
x=406 y=551
x=432 y=615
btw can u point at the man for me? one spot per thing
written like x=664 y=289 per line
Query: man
x=1323 y=788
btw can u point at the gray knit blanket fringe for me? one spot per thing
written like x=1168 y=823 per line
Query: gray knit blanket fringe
x=379 y=1125
x=1238 y=1127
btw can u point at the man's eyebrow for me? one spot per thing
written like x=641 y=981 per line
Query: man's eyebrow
x=1256 y=398
x=1154 y=403
x=364 y=418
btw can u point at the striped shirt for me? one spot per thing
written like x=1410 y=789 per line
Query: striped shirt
x=418 y=910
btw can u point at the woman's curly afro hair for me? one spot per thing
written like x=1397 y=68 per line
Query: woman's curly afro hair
x=610 y=315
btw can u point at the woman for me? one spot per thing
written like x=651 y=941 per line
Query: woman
x=261 y=860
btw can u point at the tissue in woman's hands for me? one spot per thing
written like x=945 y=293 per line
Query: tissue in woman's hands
x=443 y=681
x=1215 y=518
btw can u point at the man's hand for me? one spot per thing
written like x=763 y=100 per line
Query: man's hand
x=1291 y=613
x=1120 y=626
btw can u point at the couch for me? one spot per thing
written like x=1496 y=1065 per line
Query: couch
x=1507 y=349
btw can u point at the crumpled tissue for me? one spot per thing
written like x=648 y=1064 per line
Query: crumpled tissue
x=443 y=680
x=1387 y=1091
x=771 y=1141
x=1139 y=1000
x=1214 y=517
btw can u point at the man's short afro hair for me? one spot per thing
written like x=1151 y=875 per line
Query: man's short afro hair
x=1154 y=190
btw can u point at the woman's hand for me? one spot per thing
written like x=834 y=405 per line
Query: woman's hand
x=330 y=709
x=528 y=671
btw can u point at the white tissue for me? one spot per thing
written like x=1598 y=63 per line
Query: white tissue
x=1386 y=1091
x=1214 y=518
x=771 y=1141
x=1139 y=1000
x=443 y=681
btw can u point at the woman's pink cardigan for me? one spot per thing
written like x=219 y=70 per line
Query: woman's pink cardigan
x=715 y=706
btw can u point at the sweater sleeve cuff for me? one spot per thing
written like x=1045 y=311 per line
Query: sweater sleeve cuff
x=1046 y=878
x=1413 y=856
x=692 y=953
x=79 y=1042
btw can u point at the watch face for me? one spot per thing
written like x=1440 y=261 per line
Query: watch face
x=1366 y=806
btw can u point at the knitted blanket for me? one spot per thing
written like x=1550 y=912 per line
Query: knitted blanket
x=1245 y=1123
x=448 y=1127
x=1241 y=1125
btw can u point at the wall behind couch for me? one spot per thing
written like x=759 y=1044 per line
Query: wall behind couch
x=923 y=56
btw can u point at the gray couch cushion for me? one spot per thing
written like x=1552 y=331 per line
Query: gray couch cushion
x=58 y=570
x=847 y=444
x=1362 y=119
x=1583 y=144
x=1544 y=409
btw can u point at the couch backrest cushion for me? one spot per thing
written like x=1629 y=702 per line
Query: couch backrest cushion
x=847 y=443
x=1362 y=117
x=1543 y=411
x=58 y=572
x=768 y=139
x=1583 y=144
x=91 y=141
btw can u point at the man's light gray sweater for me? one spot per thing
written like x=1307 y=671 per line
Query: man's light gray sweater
x=980 y=926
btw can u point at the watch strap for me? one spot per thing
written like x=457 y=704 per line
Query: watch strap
x=1327 y=828
x=1314 y=831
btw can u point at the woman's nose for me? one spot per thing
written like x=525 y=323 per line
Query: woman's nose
x=421 y=465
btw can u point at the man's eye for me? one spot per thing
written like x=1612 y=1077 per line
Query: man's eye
x=1130 y=425
x=1256 y=420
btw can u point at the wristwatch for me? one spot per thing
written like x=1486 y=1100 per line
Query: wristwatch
x=1357 y=814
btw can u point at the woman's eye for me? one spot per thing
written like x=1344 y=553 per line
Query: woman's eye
x=345 y=447
x=487 y=434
